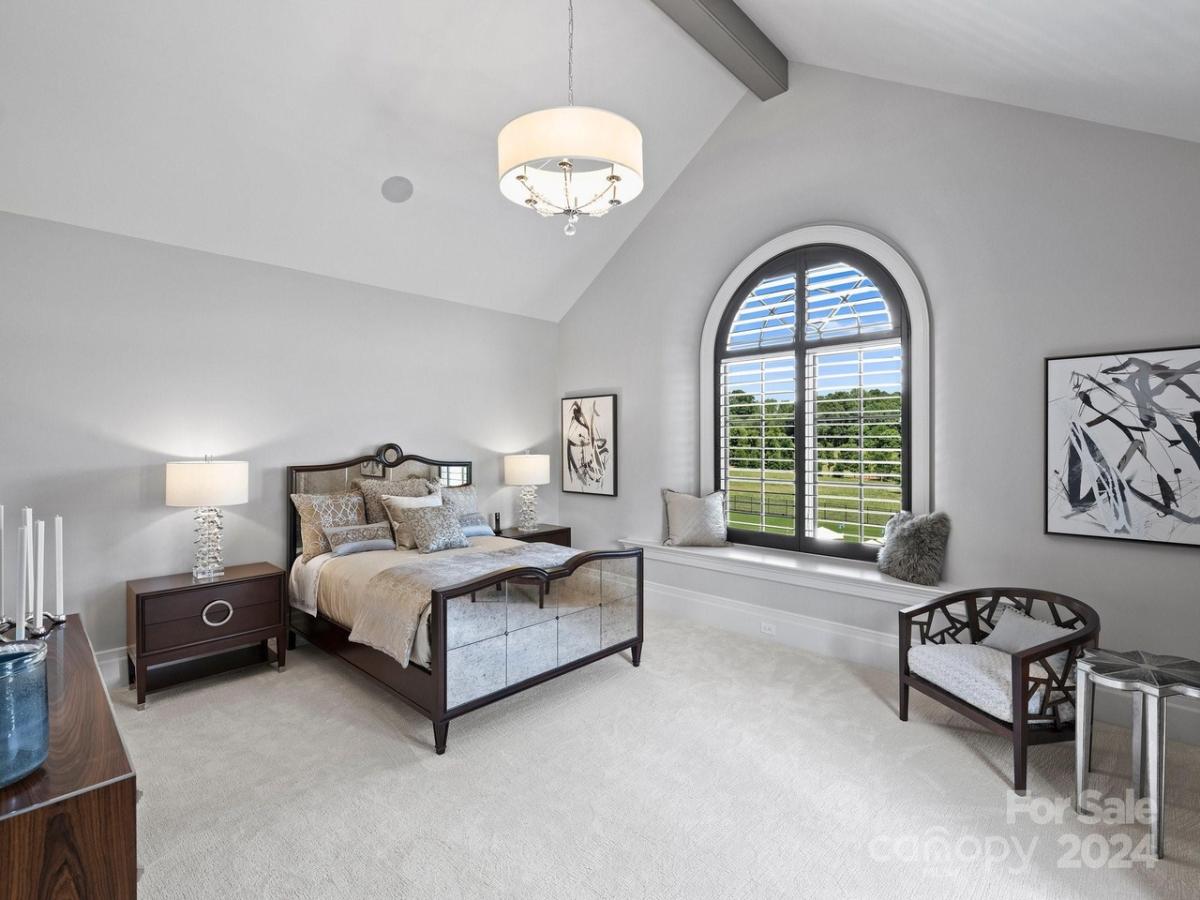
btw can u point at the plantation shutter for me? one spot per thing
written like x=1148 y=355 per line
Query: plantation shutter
x=811 y=404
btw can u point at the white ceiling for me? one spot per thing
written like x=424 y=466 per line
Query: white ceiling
x=264 y=129
x=1132 y=63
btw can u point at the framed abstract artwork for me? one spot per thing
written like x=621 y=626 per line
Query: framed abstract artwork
x=589 y=445
x=1123 y=445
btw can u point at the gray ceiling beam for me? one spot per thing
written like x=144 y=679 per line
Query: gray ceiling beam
x=721 y=28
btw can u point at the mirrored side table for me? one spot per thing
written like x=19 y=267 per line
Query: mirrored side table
x=1150 y=678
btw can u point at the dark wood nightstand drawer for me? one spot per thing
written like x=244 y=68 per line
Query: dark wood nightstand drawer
x=543 y=534
x=561 y=537
x=191 y=603
x=218 y=619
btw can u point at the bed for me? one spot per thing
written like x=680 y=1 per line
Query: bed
x=452 y=631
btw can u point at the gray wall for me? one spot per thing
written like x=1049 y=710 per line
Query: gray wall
x=1034 y=234
x=118 y=354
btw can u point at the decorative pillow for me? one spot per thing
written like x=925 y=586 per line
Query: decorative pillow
x=461 y=501
x=434 y=528
x=1016 y=631
x=914 y=547
x=695 y=521
x=347 y=539
x=395 y=507
x=321 y=511
x=475 y=525
x=375 y=489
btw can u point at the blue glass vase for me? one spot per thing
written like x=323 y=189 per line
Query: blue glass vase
x=24 y=709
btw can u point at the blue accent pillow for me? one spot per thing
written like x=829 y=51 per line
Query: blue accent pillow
x=475 y=525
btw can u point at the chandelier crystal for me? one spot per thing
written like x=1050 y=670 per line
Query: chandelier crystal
x=570 y=160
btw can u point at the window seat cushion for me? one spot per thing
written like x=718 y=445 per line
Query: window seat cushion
x=978 y=675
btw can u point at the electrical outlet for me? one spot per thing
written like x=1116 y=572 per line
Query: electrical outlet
x=767 y=627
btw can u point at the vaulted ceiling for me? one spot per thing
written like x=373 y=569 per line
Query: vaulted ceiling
x=263 y=130
x=1131 y=63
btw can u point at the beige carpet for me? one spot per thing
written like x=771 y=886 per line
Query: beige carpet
x=721 y=768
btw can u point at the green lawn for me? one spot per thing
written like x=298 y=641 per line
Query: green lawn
x=837 y=505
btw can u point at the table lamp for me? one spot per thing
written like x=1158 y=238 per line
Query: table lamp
x=207 y=485
x=528 y=470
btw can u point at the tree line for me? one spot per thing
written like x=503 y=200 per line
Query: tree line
x=837 y=430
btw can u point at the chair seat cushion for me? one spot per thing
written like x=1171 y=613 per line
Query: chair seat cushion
x=980 y=676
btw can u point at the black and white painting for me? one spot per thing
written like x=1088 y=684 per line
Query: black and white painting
x=1123 y=445
x=589 y=445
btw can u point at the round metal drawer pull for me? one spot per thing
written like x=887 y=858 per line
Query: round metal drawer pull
x=228 y=613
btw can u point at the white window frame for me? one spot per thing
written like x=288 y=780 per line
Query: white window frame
x=917 y=350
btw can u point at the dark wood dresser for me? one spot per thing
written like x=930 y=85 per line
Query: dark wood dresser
x=69 y=830
x=176 y=618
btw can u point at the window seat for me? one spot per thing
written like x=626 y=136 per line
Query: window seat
x=841 y=576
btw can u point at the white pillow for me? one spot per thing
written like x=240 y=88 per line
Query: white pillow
x=695 y=521
x=1016 y=631
x=404 y=535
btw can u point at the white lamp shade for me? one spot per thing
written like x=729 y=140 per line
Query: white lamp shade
x=218 y=482
x=597 y=142
x=527 y=468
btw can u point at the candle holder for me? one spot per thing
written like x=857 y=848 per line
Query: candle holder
x=6 y=625
x=35 y=629
x=55 y=620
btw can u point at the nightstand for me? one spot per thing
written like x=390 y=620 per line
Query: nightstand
x=544 y=534
x=176 y=619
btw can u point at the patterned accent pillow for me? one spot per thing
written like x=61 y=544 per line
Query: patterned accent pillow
x=434 y=528
x=375 y=489
x=347 y=539
x=462 y=501
x=321 y=511
x=395 y=508
x=475 y=525
x=695 y=521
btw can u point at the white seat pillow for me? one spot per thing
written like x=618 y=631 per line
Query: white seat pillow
x=981 y=676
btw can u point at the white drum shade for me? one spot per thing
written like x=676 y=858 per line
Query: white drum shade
x=598 y=143
x=527 y=468
x=218 y=482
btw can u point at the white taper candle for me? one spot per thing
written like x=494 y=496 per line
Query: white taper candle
x=39 y=610
x=27 y=591
x=58 y=564
x=21 y=542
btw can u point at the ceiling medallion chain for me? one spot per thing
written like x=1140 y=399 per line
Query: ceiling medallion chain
x=570 y=161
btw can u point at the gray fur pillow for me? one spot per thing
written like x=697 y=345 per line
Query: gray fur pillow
x=914 y=547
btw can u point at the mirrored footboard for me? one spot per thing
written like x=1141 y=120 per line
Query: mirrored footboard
x=500 y=631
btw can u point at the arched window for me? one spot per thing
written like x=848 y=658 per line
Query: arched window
x=811 y=402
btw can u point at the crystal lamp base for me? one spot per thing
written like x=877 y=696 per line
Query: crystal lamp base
x=209 y=562
x=528 y=518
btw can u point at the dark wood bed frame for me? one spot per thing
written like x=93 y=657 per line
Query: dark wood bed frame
x=424 y=689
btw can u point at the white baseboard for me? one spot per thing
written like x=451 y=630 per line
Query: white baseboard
x=112 y=666
x=860 y=645
x=877 y=649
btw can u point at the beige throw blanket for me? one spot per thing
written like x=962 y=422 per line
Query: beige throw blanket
x=396 y=598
